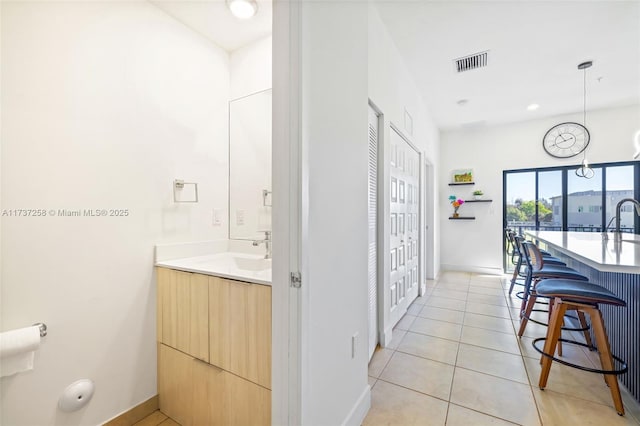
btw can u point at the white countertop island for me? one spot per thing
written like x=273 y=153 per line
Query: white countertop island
x=591 y=248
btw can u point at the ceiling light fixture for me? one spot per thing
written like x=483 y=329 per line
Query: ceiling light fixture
x=242 y=9
x=533 y=107
x=584 y=170
x=462 y=102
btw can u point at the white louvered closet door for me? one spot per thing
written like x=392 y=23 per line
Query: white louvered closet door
x=372 y=226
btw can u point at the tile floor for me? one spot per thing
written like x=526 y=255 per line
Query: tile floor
x=455 y=359
x=155 y=419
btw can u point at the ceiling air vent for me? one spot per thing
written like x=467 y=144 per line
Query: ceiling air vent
x=471 y=62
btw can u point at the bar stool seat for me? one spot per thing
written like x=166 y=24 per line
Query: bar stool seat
x=583 y=297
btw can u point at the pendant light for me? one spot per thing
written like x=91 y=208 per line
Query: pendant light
x=585 y=171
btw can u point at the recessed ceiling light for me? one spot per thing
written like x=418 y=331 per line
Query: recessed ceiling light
x=463 y=102
x=533 y=107
x=242 y=9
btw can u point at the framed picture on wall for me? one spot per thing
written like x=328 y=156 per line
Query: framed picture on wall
x=462 y=176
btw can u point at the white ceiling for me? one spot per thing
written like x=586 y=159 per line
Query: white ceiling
x=534 y=49
x=212 y=19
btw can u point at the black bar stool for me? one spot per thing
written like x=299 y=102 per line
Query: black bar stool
x=537 y=271
x=583 y=297
x=517 y=249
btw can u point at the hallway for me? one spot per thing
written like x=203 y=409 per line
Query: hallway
x=455 y=359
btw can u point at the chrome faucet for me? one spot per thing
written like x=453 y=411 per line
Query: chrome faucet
x=618 y=234
x=267 y=244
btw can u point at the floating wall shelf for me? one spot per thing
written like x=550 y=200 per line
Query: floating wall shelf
x=478 y=201
x=462 y=218
x=461 y=183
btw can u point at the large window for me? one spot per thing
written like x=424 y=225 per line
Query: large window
x=555 y=199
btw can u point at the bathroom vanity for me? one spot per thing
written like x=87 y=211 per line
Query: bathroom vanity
x=214 y=339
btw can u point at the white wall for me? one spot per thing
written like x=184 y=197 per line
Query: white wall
x=477 y=245
x=334 y=217
x=103 y=104
x=393 y=91
x=250 y=68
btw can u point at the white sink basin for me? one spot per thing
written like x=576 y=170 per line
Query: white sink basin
x=252 y=264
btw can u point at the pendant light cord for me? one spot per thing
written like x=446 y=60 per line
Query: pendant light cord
x=584 y=107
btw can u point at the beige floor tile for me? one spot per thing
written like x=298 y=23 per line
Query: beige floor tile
x=153 y=419
x=450 y=294
x=488 y=291
x=484 y=309
x=421 y=300
x=396 y=338
x=380 y=358
x=502 y=325
x=490 y=339
x=488 y=299
x=453 y=287
x=394 y=405
x=414 y=308
x=430 y=347
x=445 y=330
x=532 y=329
x=570 y=353
x=405 y=322
x=571 y=381
x=496 y=363
x=487 y=284
x=494 y=396
x=443 y=302
x=372 y=381
x=558 y=410
x=420 y=374
x=448 y=275
x=442 y=314
x=461 y=416
x=169 y=422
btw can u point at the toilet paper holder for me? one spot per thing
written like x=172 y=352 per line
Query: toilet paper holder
x=43 y=328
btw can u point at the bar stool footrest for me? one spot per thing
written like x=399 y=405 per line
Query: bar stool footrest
x=579 y=367
x=563 y=328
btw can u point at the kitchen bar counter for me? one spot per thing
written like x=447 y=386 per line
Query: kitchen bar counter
x=616 y=267
x=593 y=249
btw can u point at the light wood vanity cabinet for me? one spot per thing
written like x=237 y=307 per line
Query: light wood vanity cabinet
x=229 y=381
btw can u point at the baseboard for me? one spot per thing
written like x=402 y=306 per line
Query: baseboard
x=473 y=269
x=135 y=414
x=385 y=337
x=359 y=411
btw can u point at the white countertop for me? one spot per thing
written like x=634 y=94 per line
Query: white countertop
x=590 y=248
x=236 y=266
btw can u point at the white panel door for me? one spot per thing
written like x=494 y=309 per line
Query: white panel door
x=404 y=239
x=373 y=225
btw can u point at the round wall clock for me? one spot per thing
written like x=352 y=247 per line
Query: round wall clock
x=566 y=140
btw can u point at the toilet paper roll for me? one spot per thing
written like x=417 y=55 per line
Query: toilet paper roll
x=17 y=350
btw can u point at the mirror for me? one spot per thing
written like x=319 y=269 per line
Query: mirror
x=250 y=166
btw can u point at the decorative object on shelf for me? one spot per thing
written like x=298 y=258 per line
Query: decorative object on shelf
x=456 y=203
x=463 y=176
x=584 y=170
x=477 y=194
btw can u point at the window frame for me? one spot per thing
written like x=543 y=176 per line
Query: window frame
x=565 y=170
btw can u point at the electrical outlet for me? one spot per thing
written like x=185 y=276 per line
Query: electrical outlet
x=240 y=217
x=354 y=344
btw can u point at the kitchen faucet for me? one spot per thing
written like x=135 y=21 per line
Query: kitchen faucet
x=618 y=234
x=267 y=244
